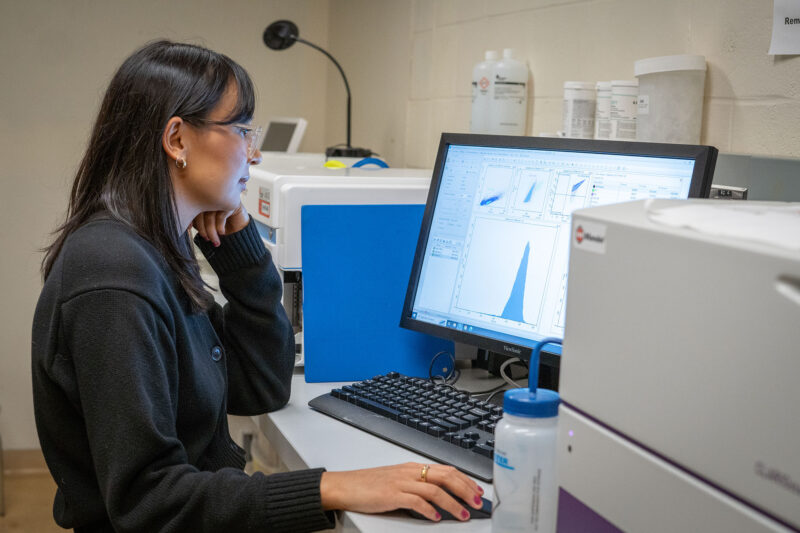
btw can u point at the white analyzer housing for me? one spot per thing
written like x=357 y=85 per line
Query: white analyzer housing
x=275 y=197
x=680 y=367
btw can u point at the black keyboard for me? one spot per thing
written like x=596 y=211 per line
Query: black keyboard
x=434 y=420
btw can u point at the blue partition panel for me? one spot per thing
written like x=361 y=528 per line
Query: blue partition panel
x=356 y=265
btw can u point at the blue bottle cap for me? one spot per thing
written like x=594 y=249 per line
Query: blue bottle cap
x=523 y=402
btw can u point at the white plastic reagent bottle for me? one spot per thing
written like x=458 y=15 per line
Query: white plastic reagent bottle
x=509 y=96
x=525 y=482
x=482 y=78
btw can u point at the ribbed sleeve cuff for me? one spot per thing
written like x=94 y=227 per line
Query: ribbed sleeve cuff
x=295 y=503
x=237 y=250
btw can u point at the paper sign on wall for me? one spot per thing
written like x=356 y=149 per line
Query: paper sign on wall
x=785 y=28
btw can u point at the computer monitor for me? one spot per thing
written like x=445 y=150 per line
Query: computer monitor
x=490 y=268
x=283 y=135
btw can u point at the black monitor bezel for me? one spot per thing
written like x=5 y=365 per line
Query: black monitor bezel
x=705 y=159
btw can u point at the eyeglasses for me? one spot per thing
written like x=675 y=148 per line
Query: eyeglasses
x=250 y=133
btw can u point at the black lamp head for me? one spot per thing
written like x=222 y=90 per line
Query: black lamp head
x=281 y=34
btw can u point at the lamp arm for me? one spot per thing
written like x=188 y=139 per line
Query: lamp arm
x=346 y=85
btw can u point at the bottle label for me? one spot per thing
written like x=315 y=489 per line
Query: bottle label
x=502 y=461
x=509 y=90
x=644 y=105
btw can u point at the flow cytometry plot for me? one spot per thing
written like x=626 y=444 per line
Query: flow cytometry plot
x=496 y=183
x=505 y=269
x=572 y=189
x=532 y=191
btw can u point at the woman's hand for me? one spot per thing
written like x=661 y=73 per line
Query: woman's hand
x=376 y=490
x=211 y=224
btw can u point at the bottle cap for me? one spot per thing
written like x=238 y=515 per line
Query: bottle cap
x=540 y=404
x=491 y=55
x=508 y=53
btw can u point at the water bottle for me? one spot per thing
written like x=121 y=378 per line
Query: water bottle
x=525 y=484
x=482 y=75
x=509 y=96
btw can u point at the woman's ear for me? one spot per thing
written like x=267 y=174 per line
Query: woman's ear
x=173 y=140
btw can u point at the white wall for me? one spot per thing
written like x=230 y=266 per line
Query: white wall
x=56 y=59
x=752 y=102
x=371 y=40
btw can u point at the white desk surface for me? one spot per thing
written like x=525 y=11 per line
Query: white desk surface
x=305 y=438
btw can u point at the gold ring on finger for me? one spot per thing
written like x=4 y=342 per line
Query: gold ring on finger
x=424 y=474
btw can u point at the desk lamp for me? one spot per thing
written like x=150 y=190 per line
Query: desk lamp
x=282 y=34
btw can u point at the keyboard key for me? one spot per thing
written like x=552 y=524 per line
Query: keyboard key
x=467 y=443
x=436 y=431
x=480 y=413
x=472 y=419
x=462 y=424
x=381 y=409
x=449 y=426
x=472 y=435
x=423 y=426
x=484 y=450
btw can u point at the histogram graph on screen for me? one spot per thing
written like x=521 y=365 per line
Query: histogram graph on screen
x=507 y=280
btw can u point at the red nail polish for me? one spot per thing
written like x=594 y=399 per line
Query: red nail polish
x=216 y=244
x=478 y=500
x=480 y=489
x=464 y=514
x=438 y=516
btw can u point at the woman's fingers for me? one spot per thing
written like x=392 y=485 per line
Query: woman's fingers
x=211 y=224
x=457 y=483
x=418 y=504
x=438 y=496
x=221 y=218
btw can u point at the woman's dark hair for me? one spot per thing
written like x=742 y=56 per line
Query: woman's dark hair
x=125 y=170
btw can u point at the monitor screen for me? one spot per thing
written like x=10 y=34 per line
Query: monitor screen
x=491 y=263
x=278 y=136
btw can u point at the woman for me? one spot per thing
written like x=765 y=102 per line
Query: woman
x=135 y=367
